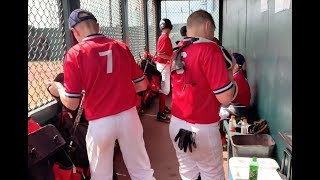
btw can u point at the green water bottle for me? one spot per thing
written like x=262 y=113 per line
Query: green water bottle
x=253 y=169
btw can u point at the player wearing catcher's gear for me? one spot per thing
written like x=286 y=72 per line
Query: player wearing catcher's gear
x=227 y=57
x=183 y=33
x=106 y=70
x=200 y=85
x=241 y=103
x=164 y=52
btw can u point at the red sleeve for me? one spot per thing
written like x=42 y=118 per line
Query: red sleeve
x=236 y=76
x=72 y=80
x=215 y=70
x=136 y=72
x=169 y=46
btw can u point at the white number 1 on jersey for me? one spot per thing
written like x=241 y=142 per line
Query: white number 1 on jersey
x=109 y=59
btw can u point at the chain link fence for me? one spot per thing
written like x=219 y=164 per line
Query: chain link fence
x=108 y=14
x=46 y=47
x=47 y=42
x=178 y=12
x=152 y=33
x=47 y=39
x=136 y=27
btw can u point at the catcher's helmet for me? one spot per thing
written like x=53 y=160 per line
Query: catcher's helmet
x=165 y=23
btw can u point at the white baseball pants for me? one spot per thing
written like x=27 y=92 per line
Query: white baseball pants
x=207 y=158
x=165 y=74
x=100 y=139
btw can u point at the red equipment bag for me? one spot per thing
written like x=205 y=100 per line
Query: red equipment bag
x=32 y=126
x=64 y=169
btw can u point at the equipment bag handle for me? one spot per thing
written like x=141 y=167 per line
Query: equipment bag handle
x=77 y=119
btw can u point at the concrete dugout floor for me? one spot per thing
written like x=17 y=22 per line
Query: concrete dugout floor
x=159 y=147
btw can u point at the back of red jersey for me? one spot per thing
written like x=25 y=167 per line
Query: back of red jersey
x=164 y=46
x=205 y=75
x=106 y=70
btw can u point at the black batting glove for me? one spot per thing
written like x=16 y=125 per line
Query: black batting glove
x=186 y=139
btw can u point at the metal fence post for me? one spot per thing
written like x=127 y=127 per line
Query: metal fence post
x=124 y=19
x=68 y=7
x=158 y=18
x=220 y=20
x=145 y=9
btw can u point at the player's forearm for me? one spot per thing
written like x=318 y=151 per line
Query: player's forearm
x=235 y=86
x=70 y=103
x=235 y=90
x=141 y=86
x=230 y=75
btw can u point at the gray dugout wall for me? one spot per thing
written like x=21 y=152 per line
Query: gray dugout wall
x=262 y=32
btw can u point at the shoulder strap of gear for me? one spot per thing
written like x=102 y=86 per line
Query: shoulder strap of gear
x=177 y=63
x=227 y=57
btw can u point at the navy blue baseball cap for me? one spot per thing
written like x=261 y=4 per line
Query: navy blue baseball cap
x=183 y=31
x=239 y=58
x=75 y=17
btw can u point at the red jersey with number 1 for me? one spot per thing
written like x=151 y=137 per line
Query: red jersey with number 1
x=106 y=70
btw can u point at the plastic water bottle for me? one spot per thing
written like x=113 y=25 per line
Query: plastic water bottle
x=232 y=120
x=253 y=169
x=244 y=126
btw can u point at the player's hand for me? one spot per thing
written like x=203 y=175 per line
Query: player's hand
x=59 y=78
x=52 y=89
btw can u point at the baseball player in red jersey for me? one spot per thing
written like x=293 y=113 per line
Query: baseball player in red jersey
x=241 y=104
x=106 y=70
x=164 y=52
x=201 y=83
x=239 y=76
x=183 y=33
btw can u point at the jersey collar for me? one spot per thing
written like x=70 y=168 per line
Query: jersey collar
x=92 y=36
x=203 y=40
